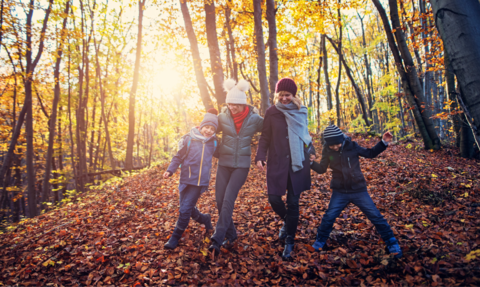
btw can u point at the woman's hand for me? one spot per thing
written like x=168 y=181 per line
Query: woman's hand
x=312 y=157
x=261 y=165
x=167 y=174
x=387 y=137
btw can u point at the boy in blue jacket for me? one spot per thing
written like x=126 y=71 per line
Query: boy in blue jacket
x=348 y=185
x=195 y=157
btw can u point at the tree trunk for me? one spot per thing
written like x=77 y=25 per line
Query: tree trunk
x=214 y=51
x=458 y=22
x=320 y=63
x=231 y=40
x=197 y=61
x=102 y=102
x=412 y=75
x=403 y=75
x=272 y=47
x=340 y=58
x=30 y=70
x=358 y=92
x=325 y=72
x=53 y=118
x=133 y=91
x=367 y=71
x=260 y=45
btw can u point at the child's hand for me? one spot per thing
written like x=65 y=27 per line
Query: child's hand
x=261 y=164
x=167 y=174
x=312 y=157
x=387 y=137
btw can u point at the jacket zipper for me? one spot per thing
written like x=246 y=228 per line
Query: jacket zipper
x=238 y=135
x=201 y=163
x=349 y=162
x=189 y=172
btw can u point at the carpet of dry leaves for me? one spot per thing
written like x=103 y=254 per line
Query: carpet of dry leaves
x=115 y=236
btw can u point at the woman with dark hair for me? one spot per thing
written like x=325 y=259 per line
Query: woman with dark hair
x=286 y=139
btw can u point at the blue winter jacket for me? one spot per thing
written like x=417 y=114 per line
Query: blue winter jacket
x=347 y=176
x=196 y=165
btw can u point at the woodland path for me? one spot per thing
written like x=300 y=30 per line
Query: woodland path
x=115 y=236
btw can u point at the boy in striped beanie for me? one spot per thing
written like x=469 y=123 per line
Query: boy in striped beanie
x=348 y=185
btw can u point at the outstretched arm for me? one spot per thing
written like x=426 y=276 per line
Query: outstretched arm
x=377 y=149
x=178 y=158
x=324 y=162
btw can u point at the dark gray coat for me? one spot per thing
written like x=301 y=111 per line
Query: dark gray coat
x=275 y=148
x=234 y=150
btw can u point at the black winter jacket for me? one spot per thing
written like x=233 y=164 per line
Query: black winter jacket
x=347 y=176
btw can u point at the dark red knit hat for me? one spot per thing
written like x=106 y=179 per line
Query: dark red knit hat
x=286 y=84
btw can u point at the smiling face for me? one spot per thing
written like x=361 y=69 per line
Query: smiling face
x=335 y=147
x=285 y=97
x=236 y=108
x=207 y=131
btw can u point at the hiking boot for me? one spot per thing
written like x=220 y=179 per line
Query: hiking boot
x=215 y=247
x=173 y=241
x=317 y=245
x=207 y=220
x=394 y=248
x=228 y=243
x=289 y=245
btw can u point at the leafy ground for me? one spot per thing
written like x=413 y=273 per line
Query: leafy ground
x=115 y=236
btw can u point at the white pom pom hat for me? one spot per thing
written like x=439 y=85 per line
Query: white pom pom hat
x=236 y=91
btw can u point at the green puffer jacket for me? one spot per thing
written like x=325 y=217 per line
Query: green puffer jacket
x=234 y=150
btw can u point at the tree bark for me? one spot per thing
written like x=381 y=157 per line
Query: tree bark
x=214 y=51
x=340 y=58
x=53 y=118
x=358 y=92
x=325 y=72
x=231 y=40
x=412 y=75
x=197 y=61
x=260 y=45
x=30 y=70
x=403 y=75
x=272 y=46
x=133 y=91
x=458 y=22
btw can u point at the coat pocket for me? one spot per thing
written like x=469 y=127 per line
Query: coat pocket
x=189 y=172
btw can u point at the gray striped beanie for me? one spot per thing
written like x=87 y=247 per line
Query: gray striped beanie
x=333 y=135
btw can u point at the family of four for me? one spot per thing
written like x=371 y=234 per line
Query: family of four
x=285 y=147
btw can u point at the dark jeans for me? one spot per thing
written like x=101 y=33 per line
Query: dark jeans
x=289 y=213
x=361 y=199
x=228 y=183
x=188 y=209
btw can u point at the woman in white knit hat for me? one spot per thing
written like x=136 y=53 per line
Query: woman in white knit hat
x=238 y=123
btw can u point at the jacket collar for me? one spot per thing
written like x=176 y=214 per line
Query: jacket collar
x=252 y=110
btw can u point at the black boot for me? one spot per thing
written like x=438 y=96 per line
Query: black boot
x=229 y=243
x=173 y=241
x=207 y=220
x=289 y=245
x=215 y=247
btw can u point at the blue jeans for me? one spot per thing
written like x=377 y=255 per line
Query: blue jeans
x=188 y=201
x=361 y=199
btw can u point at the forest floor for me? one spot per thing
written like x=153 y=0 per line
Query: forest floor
x=115 y=236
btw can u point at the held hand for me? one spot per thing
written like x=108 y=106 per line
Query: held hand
x=167 y=175
x=312 y=157
x=387 y=137
x=260 y=165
